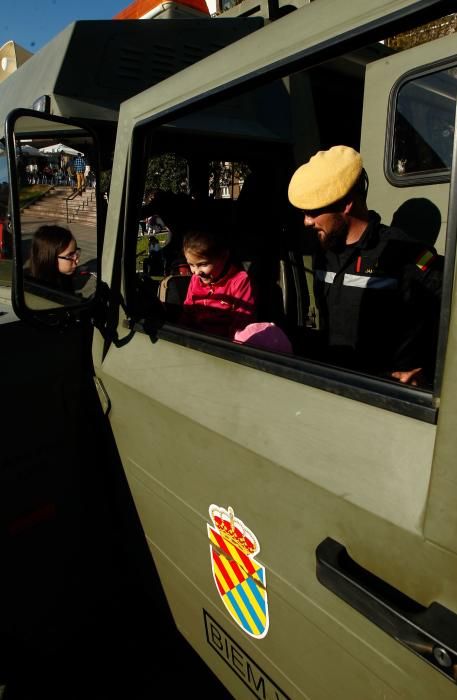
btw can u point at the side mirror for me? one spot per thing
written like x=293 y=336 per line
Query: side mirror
x=53 y=192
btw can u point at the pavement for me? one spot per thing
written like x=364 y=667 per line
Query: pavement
x=85 y=233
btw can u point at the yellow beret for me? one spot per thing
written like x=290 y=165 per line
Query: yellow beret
x=325 y=178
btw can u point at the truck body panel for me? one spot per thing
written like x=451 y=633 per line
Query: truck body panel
x=302 y=457
x=278 y=461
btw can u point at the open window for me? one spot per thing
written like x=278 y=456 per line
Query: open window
x=225 y=166
x=261 y=134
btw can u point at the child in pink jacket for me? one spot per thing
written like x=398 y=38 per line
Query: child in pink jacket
x=220 y=298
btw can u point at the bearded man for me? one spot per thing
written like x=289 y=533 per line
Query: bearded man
x=377 y=289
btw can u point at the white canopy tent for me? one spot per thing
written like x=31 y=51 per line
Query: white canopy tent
x=60 y=148
x=28 y=150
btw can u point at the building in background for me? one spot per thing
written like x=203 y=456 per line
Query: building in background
x=11 y=57
x=151 y=9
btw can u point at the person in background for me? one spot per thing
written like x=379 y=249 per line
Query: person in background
x=87 y=175
x=377 y=289
x=47 y=174
x=54 y=257
x=220 y=298
x=79 y=166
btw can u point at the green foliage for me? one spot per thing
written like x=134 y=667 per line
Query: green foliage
x=32 y=193
x=167 y=172
x=142 y=245
x=426 y=32
x=105 y=180
x=141 y=251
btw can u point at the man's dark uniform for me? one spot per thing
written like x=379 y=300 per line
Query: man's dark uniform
x=379 y=301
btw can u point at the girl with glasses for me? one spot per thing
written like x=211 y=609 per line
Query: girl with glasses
x=54 y=257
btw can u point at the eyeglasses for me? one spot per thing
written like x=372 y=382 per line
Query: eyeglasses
x=71 y=256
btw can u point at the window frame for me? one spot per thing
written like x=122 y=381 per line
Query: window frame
x=406 y=400
x=448 y=176
x=424 y=177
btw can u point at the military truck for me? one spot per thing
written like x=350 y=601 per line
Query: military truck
x=299 y=516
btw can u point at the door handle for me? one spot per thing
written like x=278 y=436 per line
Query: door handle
x=430 y=632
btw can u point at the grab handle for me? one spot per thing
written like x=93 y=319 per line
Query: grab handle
x=431 y=632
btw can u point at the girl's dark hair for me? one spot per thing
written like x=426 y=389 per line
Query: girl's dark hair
x=48 y=242
x=203 y=241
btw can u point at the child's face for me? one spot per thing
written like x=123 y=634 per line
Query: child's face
x=207 y=268
x=68 y=259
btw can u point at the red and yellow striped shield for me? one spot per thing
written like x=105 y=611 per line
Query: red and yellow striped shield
x=239 y=578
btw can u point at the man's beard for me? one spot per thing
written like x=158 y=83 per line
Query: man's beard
x=334 y=240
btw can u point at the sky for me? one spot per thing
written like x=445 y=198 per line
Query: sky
x=33 y=23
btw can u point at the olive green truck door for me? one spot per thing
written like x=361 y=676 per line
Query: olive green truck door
x=302 y=517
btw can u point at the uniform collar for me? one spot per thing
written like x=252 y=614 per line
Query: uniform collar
x=371 y=232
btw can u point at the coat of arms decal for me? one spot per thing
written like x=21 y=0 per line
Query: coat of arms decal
x=239 y=578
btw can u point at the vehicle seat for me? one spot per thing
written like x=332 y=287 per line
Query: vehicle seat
x=172 y=292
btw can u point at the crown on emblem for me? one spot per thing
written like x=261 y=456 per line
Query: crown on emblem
x=233 y=530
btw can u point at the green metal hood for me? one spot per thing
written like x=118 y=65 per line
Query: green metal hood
x=92 y=66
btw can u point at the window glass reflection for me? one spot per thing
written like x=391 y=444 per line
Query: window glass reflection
x=57 y=198
x=424 y=123
x=5 y=233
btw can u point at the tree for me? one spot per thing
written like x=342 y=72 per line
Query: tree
x=426 y=32
x=167 y=172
